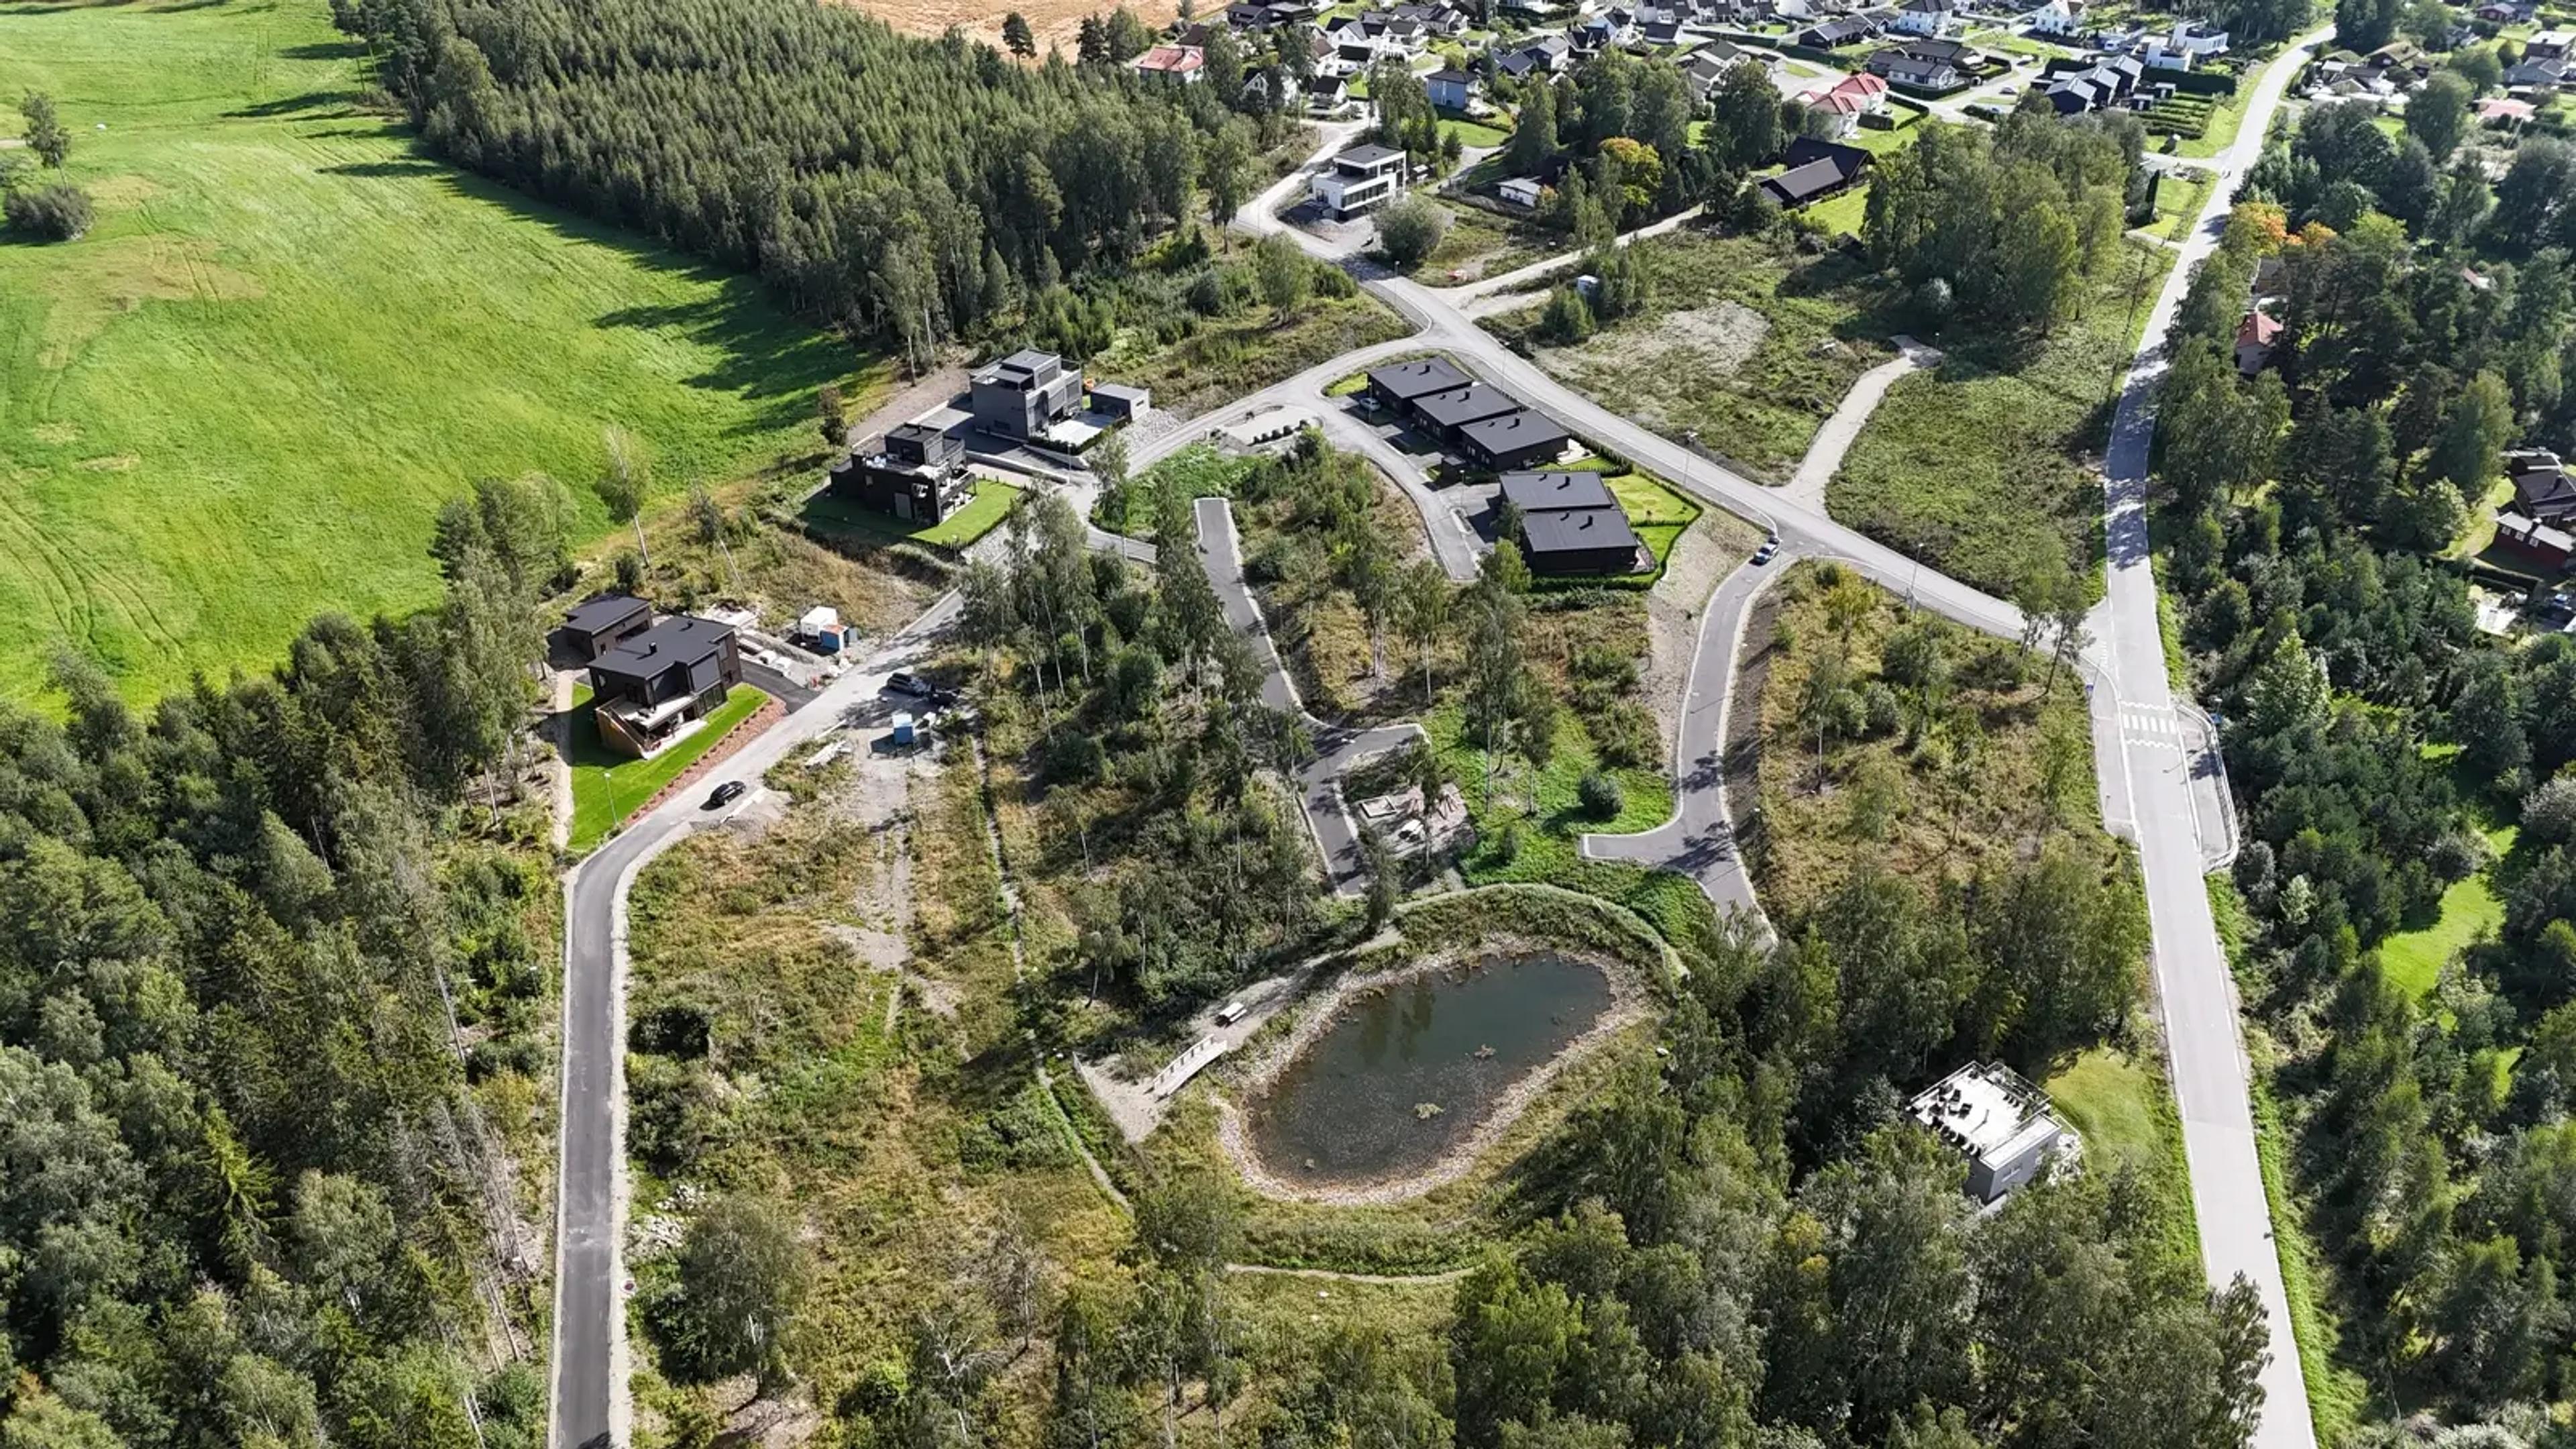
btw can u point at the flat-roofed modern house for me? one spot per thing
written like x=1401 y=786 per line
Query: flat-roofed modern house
x=1024 y=394
x=603 y=623
x=916 y=472
x=648 y=689
x=1397 y=384
x=1990 y=1115
x=1446 y=414
x=1118 y=401
x=1532 y=491
x=1359 y=181
x=1581 y=541
x=1514 y=440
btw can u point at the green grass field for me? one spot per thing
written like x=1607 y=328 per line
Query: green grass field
x=2413 y=960
x=606 y=787
x=239 y=400
x=1978 y=467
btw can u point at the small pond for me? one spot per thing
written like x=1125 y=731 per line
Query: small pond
x=1352 y=1105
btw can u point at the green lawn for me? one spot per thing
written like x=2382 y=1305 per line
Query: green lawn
x=607 y=788
x=1473 y=133
x=2178 y=203
x=240 y=398
x=2413 y=960
x=1978 y=467
x=1842 y=214
x=993 y=502
x=2126 y=1115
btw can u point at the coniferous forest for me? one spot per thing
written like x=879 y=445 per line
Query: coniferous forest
x=902 y=189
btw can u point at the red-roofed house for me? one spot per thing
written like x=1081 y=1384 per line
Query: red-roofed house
x=2254 y=338
x=1179 y=64
x=1847 y=100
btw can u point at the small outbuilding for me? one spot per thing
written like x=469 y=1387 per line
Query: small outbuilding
x=1118 y=401
x=2004 y=1126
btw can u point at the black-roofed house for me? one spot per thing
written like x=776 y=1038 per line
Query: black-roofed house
x=646 y=691
x=1514 y=440
x=1531 y=492
x=1024 y=394
x=2542 y=486
x=1397 y=384
x=1444 y=414
x=605 y=622
x=1580 y=541
x=916 y=473
x=1804 y=185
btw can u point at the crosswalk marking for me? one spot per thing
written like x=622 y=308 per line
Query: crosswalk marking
x=2155 y=723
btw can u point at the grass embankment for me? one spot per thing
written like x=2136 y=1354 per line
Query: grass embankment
x=2006 y=761
x=608 y=787
x=1983 y=466
x=1745 y=342
x=2119 y=1102
x=240 y=399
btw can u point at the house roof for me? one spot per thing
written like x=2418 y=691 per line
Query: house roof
x=1460 y=406
x=604 y=612
x=1956 y=52
x=1804 y=183
x=1325 y=85
x=1852 y=159
x=2258 y=328
x=1577 y=530
x=1171 y=59
x=1851 y=94
x=1370 y=155
x=677 y=642
x=1447 y=76
x=1515 y=431
x=1532 y=491
x=1408 y=380
x=2523 y=530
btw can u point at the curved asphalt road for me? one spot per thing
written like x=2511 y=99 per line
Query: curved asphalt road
x=590 y=1406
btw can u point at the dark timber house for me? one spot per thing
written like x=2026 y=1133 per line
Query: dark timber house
x=1580 y=541
x=916 y=473
x=602 y=624
x=1397 y=384
x=1446 y=414
x=649 y=687
x=1024 y=394
x=1515 y=440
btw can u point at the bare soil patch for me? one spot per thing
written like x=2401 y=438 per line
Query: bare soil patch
x=1055 y=21
x=1704 y=344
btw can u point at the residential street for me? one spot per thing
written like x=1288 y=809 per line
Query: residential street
x=591 y=1406
x=2203 y=1039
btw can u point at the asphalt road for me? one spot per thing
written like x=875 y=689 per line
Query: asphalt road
x=2203 y=1040
x=590 y=1404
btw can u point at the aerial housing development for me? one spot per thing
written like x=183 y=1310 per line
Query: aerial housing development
x=1529 y=725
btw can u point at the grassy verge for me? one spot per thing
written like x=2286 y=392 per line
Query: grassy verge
x=1473 y=133
x=1747 y=343
x=1481 y=244
x=240 y=399
x=1982 y=467
x=2122 y=1106
x=608 y=787
x=2178 y=203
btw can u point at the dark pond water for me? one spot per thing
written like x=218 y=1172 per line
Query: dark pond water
x=1345 y=1109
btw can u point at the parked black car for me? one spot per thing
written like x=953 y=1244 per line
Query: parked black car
x=725 y=794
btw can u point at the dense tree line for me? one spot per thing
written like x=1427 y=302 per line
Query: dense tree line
x=908 y=190
x=2005 y=224
x=2424 y=327
x=244 y=1196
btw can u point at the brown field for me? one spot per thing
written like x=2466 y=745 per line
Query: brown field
x=1055 y=21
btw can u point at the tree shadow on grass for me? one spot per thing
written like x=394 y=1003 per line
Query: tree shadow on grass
x=768 y=358
x=339 y=102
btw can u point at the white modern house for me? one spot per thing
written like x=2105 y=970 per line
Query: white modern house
x=2004 y=1126
x=2185 y=46
x=1360 y=180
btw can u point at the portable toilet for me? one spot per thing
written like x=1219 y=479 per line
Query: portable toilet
x=903 y=731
